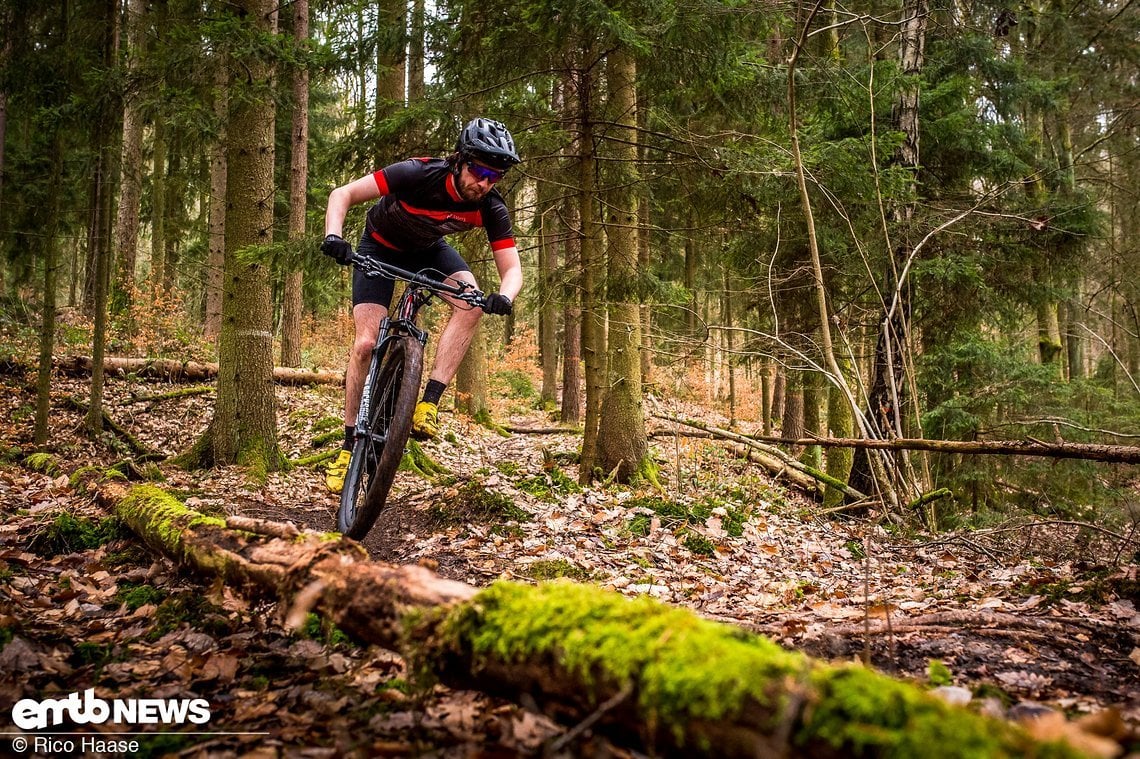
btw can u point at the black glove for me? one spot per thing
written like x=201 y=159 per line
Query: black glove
x=338 y=249
x=498 y=304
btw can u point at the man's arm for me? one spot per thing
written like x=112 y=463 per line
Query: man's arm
x=510 y=271
x=345 y=197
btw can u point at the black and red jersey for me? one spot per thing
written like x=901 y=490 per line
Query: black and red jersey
x=420 y=203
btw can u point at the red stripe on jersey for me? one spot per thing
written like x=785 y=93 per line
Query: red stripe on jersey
x=470 y=217
x=450 y=184
x=502 y=244
x=376 y=236
x=381 y=182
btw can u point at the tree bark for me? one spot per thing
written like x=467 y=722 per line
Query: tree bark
x=593 y=315
x=244 y=428
x=216 y=233
x=391 y=18
x=131 y=159
x=158 y=205
x=654 y=678
x=298 y=187
x=571 y=405
x=622 y=445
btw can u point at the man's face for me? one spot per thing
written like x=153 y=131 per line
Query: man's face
x=472 y=187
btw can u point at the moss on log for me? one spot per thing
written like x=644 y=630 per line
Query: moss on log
x=654 y=677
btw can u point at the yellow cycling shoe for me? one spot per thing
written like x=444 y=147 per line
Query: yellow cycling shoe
x=334 y=474
x=425 y=422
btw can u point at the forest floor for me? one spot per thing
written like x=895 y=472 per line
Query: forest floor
x=1022 y=617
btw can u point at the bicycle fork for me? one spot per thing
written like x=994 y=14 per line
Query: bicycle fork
x=364 y=413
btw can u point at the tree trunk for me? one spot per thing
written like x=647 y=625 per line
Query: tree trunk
x=105 y=147
x=571 y=406
x=471 y=379
x=216 y=253
x=884 y=414
x=131 y=160
x=158 y=206
x=622 y=445
x=548 y=290
x=50 y=242
x=840 y=423
x=298 y=186
x=650 y=677
x=391 y=18
x=593 y=314
x=244 y=429
x=416 y=53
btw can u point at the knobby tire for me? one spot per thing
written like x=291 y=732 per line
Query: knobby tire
x=375 y=460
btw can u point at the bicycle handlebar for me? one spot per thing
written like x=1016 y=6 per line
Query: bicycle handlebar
x=462 y=291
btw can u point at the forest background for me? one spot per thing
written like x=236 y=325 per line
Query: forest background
x=901 y=221
x=905 y=220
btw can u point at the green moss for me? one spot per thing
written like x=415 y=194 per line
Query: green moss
x=191 y=608
x=683 y=666
x=686 y=670
x=134 y=596
x=550 y=486
x=639 y=525
x=161 y=518
x=96 y=654
x=699 y=544
x=68 y=534
x=475 y=503
x=323 y=630
x=938 y=673
x=553 y=569
x=44 y=463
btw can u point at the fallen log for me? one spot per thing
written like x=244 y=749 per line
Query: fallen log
x=1060 y=449
x=770 y=452
x=173 y=370
x=659 y=679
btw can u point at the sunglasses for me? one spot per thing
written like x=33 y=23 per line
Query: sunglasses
x=482 y=173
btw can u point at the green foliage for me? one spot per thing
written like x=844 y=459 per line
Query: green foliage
x=323 y=630
x=133 y=595
x=68 y=534
x=553 y=569
x=42 y=462
x=518 y=384
x=938 y=673
x=475 y=503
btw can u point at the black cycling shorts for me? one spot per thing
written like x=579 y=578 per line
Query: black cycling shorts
x=440 y=257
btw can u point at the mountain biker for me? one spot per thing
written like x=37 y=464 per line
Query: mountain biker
x=420 y=201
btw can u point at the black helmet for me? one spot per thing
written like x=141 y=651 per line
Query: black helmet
x=489 y=142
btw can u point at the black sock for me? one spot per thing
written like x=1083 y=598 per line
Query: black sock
x=349 y=434
x=434 y=391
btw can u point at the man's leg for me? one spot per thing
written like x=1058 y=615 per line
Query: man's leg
x=366 y=318
x=453 y=345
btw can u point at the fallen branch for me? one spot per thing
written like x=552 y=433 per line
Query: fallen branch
x=173 y=370
x=1115 y=454
x=696 y=687
x=772 y=451
x=136 y=445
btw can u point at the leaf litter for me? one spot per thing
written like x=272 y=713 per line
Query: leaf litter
x=1013 y=615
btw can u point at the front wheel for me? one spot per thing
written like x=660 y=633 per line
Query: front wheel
x=376 y=455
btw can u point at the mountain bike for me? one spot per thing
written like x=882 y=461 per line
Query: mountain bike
x=389 y=396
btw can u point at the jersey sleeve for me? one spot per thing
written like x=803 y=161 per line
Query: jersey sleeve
x=398 y=176
x=497 y=221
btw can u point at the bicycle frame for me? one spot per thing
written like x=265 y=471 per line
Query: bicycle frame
x=417 y=293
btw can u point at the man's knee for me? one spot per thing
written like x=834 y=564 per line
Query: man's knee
x=362 y=347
